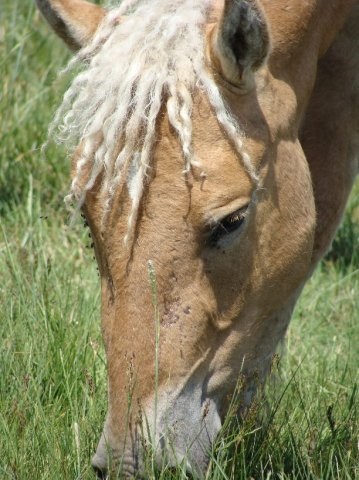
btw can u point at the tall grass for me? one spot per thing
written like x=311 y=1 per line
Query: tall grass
x=52 y=367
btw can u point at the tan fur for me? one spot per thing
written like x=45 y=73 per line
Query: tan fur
x=223 y=310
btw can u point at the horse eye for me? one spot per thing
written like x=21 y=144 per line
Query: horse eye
x=227 y=225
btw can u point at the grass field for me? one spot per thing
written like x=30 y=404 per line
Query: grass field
x=52 y=366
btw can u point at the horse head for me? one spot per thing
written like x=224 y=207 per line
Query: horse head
x=199 y=199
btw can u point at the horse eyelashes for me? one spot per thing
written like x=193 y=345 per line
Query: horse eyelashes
x=227 y=225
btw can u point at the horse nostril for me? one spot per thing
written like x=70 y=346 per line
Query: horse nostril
x=100 y=461
x=100 y=472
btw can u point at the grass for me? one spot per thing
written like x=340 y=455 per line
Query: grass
x=52 y=367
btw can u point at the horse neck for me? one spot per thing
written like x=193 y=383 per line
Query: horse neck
x=301 y=33
x=298 y=24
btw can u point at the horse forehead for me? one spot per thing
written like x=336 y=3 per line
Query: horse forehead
x=217 y=157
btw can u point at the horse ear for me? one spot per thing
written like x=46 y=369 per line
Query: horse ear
x=75 y=21
x=241 y=43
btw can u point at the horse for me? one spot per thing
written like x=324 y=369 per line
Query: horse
x=215 y=143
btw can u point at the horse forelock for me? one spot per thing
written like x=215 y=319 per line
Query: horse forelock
x=132 y=67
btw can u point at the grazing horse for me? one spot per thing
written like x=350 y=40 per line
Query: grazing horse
x=215 y=145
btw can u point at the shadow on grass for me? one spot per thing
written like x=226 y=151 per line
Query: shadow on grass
x=345 y=248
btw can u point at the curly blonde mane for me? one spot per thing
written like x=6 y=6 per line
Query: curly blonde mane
x=153 y=57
